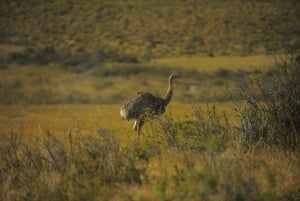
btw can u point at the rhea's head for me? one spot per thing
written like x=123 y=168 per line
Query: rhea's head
x=173 y=77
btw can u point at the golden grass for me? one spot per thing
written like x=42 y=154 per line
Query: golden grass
x=212 y=64
x=244 y=171
x=154 y=168
x=35 y=119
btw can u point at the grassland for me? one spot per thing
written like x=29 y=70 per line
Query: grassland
x=231 y=131
x=220 y=150
x=75 y=152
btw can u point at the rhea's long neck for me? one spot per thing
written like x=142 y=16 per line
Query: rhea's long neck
x=169 y=93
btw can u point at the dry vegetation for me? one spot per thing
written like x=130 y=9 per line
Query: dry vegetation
x=230 y=133
x=135 y=30
x=203 y=80
x=85 y=152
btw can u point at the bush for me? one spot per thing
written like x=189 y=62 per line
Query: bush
x=41 y=56
x=106 y=71
x=3 y=63
x=24 y=57
x=46 y=55
x=208 y=130
x=272 y=112
x=50 y=169
x=77 y=62
x=110 y=54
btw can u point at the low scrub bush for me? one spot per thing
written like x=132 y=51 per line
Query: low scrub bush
x=41 y=56
x=207 y=130
x=3 y=63
x=49 y=169
x=77 y=62
x=204 y=161
x=272 y=111
x=131 y=69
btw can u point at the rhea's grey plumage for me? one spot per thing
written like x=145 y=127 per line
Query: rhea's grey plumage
x=137 y=106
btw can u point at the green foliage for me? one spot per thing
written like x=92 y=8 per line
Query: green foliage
x=127 y=70
x=39 y=56
x=79 y=61
x=225 y=178
x=3 y=63
x=207 y=131
x=272 y=105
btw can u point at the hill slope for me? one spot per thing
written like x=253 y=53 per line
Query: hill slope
x=152 y=28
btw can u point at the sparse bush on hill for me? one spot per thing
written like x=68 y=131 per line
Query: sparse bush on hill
x=133 y=30
x=3 y=64
x=40 y=56
x=78 y=62
x=272 y=112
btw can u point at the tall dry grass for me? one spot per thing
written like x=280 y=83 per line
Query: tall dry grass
x=199 y=157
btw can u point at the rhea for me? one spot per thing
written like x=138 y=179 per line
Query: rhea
x=142 y=105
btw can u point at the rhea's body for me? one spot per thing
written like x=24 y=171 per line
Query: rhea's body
x=138 y=106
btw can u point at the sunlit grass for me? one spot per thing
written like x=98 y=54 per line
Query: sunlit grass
x=33 y=120
x=155 y=168
x=214 y=150
x=212 y=64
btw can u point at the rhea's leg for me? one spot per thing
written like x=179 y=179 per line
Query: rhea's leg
x=140 y=124
x=135 y=126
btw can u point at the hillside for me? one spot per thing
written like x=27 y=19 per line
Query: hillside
x=145 y=29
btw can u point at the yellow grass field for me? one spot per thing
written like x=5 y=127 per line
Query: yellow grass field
x=230 y=133
x=251 y=173
x=59 y=119
x=212 y=64
x=32 y=120
x=194 y=151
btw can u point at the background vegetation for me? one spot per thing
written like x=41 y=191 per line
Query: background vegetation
x=135 y=30
x=202 y=80
x=91 y=47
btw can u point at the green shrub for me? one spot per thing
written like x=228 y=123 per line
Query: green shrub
x=3 y=63
x=77 y=62
x=41 y=56
x=272 y=112
x=24 y=57
x=207 y=130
